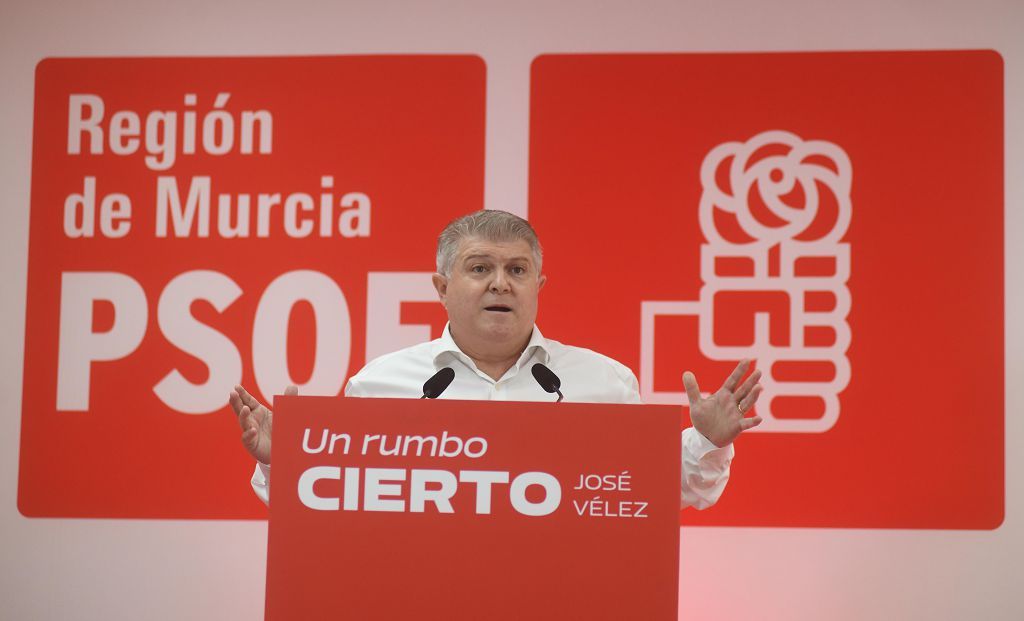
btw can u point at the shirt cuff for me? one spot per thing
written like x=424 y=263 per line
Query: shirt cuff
x=261 y=482
x=704 y=450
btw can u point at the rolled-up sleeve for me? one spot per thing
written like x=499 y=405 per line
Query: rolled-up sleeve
x=705 y=470
x=261 y=482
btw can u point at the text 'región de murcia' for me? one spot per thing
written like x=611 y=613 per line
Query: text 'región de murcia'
x=190 y=207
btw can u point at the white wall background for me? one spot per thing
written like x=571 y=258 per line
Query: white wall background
x=117 y=569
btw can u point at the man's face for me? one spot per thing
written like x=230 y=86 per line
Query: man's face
x=491 y=294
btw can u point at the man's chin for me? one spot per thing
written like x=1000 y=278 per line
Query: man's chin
x=499 y=328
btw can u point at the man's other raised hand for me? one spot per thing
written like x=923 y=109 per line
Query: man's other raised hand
x=722 y=416
x=256 y=422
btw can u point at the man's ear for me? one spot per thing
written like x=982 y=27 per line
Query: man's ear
x=441 y=284
x=540 y=282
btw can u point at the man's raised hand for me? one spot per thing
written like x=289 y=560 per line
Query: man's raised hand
x=256 y=422
x=721 y=416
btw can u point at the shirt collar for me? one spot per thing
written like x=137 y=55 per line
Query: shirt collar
x=445 y=347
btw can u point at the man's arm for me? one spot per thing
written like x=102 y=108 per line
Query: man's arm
x=704 y=467
x=717 y=421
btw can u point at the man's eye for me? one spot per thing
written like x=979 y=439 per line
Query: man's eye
x=478 y=269
x=518 y=270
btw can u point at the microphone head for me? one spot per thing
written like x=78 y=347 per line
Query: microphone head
x=438 y=382
x=546 y=378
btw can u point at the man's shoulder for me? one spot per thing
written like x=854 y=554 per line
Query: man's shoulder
x=399 y=374
x=413 y=357
x=572 y=356
x=592 y=377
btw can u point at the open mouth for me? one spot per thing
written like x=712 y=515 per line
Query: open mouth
x=498 y=308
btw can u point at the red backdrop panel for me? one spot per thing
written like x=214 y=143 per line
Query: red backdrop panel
x=617 y=144
x=404 y=132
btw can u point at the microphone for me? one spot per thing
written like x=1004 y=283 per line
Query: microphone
x=547 y=379
x=437 y=383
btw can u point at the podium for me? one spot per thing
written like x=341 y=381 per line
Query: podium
x=442 y=509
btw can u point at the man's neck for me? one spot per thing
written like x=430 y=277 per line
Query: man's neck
x=493 y=361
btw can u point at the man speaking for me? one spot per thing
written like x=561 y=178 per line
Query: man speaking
x=488 y=279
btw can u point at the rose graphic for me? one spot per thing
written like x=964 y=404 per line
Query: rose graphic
x=777 y=187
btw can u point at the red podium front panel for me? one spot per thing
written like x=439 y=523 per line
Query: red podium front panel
x=415 y=509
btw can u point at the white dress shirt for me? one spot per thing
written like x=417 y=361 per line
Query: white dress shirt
x=587 y=377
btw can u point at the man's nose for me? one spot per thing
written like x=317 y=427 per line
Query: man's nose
x=500 y=282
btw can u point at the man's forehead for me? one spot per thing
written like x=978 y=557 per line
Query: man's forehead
x=512 y=249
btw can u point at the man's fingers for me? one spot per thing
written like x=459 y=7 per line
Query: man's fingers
x=748 y=385
x=734 y=378
x=748 y=402
x=692 y=391
x=245 y=419
x=752 y=399
x=749 y=423
x=246 y=398
x=236 y=402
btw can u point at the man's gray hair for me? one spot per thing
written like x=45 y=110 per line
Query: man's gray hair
x=487 y=224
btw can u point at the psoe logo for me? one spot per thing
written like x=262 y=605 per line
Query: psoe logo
x=773 y=210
